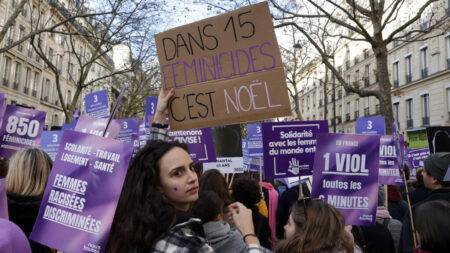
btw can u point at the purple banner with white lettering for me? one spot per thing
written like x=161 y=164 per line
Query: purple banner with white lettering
x=96 y=104
x=150 y=109
x=346 y=175
x=129 y=132
x=86 y=124
x=289 y=147
x=21 y=128
x=3 y=200
x=199 y=141
x=416 y=157
x=82 y=192
x=370 y=125
x=50 y=141
x=388 y=173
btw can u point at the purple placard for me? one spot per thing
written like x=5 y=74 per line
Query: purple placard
x=3 y=200
x=416 y=157
x=254 y=140
x=199 y=142
x=346 y=175
x=82 y=192
x=97 y=104
x=150 y=109
x=144 y=133
x=71 y=125
x=129 y=132
x=289 y=147
x=21 y=128
x=250 y=162
x=370 y=125
x=50 y=141
x=86 y=124
x=388 y=173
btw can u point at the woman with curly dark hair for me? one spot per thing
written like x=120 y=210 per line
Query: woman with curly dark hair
x=319 y=228
x=153 y=213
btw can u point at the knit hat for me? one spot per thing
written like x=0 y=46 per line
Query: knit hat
x=437 y=165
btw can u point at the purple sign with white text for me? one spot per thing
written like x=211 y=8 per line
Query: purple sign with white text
x=50 y=141
x=370 y=125
x=150 y=109
x=199 y=142
x=86 y=124
x=289 y=147
x=129 y=132
x=97 y=104
x=416 y=157
x=388 y=173
x=346 y=175
x=21 y=128
x=3 y=200
x=82 y=192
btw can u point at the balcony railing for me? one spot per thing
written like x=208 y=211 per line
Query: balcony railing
x=377 y=109
x=338 y=120
x=356 y=84
x=347 y=117
x=5 y=82
x=448 y=12
x=347 y=64
x=320 y=103
x=34 y=93
x=396 y=83
x=20 y=47
x=425 y=121
x=424 y=72
x=448 y=63
x=25 y=90
x=408 y=78
x=366 y=81
x=356 y=114
x=409 y=123
x=16 y=85
x=45 y=98
x=366 y=111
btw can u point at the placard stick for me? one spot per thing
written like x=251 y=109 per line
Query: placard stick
x=231 y=181
x=410 y=210
x=300 y=188
x=386 y=200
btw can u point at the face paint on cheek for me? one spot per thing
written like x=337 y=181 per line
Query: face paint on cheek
x=175 y=188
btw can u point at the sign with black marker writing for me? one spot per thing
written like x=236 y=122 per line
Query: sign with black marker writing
x=225 y=69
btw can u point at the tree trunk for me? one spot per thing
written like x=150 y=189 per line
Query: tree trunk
x=384 y=85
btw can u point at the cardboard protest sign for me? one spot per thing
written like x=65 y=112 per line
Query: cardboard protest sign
x=289 y=147
x=3 y=200
x=82 y=192
x=226 y=165
x=417 y=157
x=389 y=173
x=370 y=125
x=150 y=109
x=438 y=139
x=21 y=128
x=50 y=141
x=87 y=124
x=199 y=142
x=225 y=69
x=346 y=175
x=97 y=104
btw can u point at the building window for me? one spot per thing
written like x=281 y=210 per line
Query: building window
x=6 y=70
x=366 y=75
x=17 y=75
x=45 y=89
x=409 y=113
x=396 y=112
x=347 y=111
x=424 y=61
x=447 y=40
x=20 y=36
x=408 y=69
x=26 y=84
x=34 y=84
x=395 y=74
x=356 y=108
x=425 y=109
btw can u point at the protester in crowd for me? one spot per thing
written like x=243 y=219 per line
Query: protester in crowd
x=12 y=238
x=28 y=171
x=248 y=192
x=420 y=192
x=432 y=222
x=213 y=180
x=396 y=205
x=209 y=208
x=153 y=213
x=435 y=168
x=315 y=226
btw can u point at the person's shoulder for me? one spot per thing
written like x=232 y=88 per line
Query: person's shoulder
x=12 y=238
x=439 y=194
